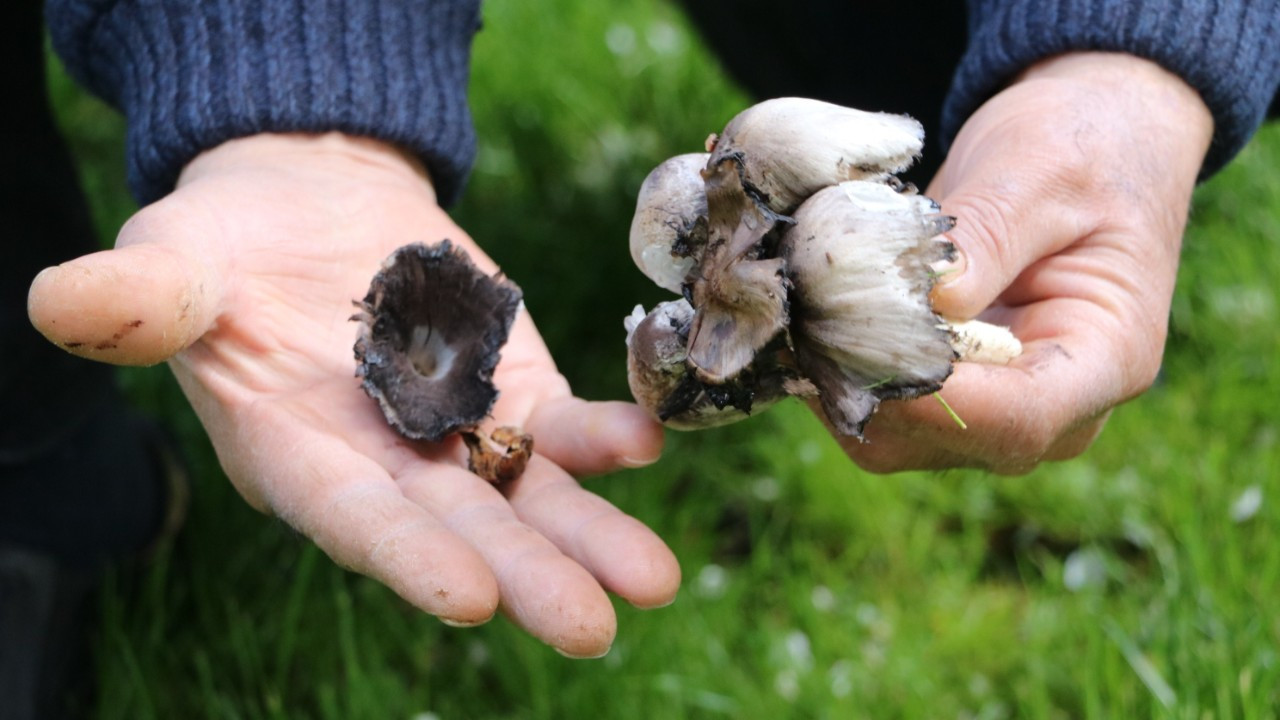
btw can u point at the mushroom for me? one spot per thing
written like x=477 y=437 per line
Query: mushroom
x=739 y=290
x=430 y=331
x=832 y=300
x=663 y=383
x=859 y=257
x=669 y=228
x=790 y=148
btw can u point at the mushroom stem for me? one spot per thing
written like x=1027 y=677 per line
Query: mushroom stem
x=980 y=342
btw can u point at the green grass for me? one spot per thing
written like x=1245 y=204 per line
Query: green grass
x=1115 y=585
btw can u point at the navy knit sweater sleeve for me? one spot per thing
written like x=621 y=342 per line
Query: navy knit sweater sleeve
x=1228 y=50
x=190 y=74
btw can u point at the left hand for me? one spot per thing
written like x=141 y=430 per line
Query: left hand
x=243 y=279
x=1071 y=189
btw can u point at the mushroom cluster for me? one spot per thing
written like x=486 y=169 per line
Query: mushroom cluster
x=804 y=267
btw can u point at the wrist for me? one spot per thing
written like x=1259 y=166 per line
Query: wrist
x=1135 y=89
x=372 y=160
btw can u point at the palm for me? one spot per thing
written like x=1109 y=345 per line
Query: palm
x=285 y=334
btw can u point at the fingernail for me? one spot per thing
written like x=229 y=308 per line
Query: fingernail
x=44 y=277
x=655 y=606
x=572 y=656
x=950 y=267
x=633 y=462
x=463 y=623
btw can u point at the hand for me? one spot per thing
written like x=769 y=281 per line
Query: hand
x=1071 y=190
x=243 y=278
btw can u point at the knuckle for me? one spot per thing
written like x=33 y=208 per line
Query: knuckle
x=159 y=221
x=1014 y=468
x=1023 y=448
x=885 y=451
x=1035 y=443
x=873 y=457
x=1144 y=369
x=875 y=463
x=1142 y=378
x=984 y=226
x=1074 y=443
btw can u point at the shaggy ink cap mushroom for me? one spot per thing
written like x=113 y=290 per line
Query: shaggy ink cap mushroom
x=663 y=383
x=739 y=290
x=431 y=328
x=790 y=148
x=806 y=268
x=770 y=158
x=859 y=257
x=669 y=229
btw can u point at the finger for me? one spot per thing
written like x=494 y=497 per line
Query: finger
x=1006 y=219
x=1075 y=442
x=625 y=556
x=136 y=305
x=883 y=452
x=548 y=594
x=1043 y=405
x=590 y=438
x=351 y=508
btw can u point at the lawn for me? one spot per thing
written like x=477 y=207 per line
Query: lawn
x=1136 y=581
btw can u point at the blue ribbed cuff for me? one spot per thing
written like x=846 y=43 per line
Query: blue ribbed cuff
x=1228 y=50
x=189 y=75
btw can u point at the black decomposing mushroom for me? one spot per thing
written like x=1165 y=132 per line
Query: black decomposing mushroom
x=431 y=327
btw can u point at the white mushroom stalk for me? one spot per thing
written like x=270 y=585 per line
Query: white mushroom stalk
x=831 y=300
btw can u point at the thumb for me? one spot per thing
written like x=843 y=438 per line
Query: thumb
x=1001 y=230
x=138 y=304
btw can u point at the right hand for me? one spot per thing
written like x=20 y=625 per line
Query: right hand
x=243 y=279
x=1071 y=189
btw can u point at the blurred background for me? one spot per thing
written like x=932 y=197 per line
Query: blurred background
x=1138 y=580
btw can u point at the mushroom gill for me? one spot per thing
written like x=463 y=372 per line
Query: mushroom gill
x=431 y=327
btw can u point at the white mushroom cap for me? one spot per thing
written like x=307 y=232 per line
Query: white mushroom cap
x=859 y=256
x=793 y=147
x=671 y=204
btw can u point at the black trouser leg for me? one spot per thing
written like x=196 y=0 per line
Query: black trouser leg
x=75 y=477
x=78 y=485
x=43 y=390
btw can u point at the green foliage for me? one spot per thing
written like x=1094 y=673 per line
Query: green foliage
x=1128 y=583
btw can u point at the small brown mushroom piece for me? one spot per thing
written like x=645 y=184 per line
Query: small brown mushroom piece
x=431 y=328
